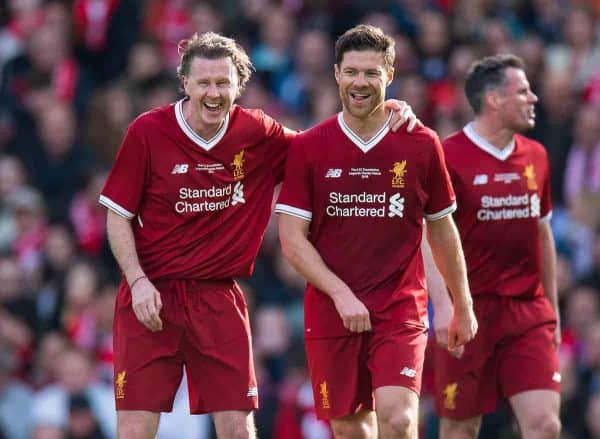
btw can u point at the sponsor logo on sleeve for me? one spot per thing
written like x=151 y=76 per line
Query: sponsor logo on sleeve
x=399 y=170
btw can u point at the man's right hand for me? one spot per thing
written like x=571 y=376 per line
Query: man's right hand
x=146 y=303
x=442 y=319
x=462 y=328
x=353 y=312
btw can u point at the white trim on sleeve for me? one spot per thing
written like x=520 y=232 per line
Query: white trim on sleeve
x=294 y=211
x=546 y=218
x=107 y=202
x=441 y=214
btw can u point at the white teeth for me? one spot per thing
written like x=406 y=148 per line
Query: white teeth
x=209 y=105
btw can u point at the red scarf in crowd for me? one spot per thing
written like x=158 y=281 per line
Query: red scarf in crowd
x=91 y=20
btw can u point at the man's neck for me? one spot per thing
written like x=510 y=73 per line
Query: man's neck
x=366 y=127
x=196 y=124
x=492 y=131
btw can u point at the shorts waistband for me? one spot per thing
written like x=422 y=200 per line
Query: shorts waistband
x=183 y=290
x=202 y=283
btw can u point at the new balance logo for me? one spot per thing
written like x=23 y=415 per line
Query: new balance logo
x=408 y=372
x=238 y=194
x=333 y=173
x=180 y=169
x=396 y=207
x=480 y=179
x=557 y=377
x=252 y=391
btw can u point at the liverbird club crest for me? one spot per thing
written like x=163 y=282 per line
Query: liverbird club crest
x=398 y=170
x=238 y=165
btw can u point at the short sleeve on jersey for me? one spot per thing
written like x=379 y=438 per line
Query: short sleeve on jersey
x=279 y=139
x=546 y=208
x=441 y=200
x=125 y=185
x=295 y=196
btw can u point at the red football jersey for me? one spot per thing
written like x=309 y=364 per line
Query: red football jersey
x=201 y=207
x=502 y=195
x=366 y=202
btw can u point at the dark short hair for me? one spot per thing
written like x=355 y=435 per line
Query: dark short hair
x=366 y=37
x=488 y=74
x=214 y=46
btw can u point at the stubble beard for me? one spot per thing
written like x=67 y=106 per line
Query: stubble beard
x=363 y=112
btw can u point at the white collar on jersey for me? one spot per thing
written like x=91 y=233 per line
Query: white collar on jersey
x=365 y=146
x=191 y=134
x=500 y=154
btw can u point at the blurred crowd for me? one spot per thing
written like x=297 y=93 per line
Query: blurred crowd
x=74 y=73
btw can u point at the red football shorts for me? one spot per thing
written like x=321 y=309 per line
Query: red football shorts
x=513 y=352
x=345 y=370
x=206 y=329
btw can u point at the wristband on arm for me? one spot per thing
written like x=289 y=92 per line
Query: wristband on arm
x=139 y=278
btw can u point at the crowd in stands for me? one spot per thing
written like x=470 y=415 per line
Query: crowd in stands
x=74 y=74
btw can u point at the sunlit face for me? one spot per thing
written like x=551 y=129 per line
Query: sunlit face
x=516 y=101
x=362 y=78
x=212 y=86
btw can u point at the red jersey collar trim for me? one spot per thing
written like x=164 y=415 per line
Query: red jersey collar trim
x=365 y=146
x=480 y=142
x=192 y=135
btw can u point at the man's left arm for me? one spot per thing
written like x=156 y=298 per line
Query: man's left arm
x=549 y=272
x=449 y=259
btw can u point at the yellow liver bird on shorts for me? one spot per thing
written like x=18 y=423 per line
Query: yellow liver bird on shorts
x=450 y=396
x=120 y=384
